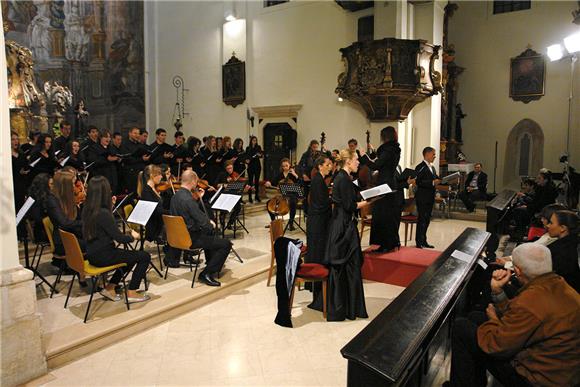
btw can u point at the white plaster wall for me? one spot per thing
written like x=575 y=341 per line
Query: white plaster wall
x=484 y=45
x=291 y=57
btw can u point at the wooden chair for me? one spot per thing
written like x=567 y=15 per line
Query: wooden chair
x=178 y=237
x=366 y=218
x=75 y=260
x=311 y=272
x=276 y=231
x=49 y=229
x=408 y=219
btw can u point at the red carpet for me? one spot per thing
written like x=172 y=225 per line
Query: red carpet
x=399 y=268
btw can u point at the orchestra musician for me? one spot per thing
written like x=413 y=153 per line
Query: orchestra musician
x=227 y=176
x=287 y=176
x=427 y=179
x=386 y=210
x=200 y=227
x=317 y=222
x=343 y=251
x=227 y=152
x=254 y=153
x=149 y=180
x=101 y=235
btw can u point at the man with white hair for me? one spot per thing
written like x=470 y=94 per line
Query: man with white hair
x=532 y=339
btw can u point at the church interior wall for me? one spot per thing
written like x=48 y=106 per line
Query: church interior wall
x=484 y=44
x=291 y=58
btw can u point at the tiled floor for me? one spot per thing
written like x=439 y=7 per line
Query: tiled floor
x=233 y=341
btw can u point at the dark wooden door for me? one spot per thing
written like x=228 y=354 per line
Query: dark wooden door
x=277 y=145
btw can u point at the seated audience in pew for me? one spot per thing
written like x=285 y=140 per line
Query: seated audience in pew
x=201 y=228
x=564 y=225
x=475 y=187
x=101 y=234
x=532 y=339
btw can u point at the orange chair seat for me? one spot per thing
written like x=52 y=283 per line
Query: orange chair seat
x=409 y=218
x=312 y=270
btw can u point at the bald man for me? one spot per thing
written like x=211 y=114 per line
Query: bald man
x=201 y=228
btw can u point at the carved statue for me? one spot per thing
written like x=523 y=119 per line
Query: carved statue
x=22 y=89
x=39 y=32
x=77 y=39
x=58 y=95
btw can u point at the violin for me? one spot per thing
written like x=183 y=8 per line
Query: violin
x=80 y=193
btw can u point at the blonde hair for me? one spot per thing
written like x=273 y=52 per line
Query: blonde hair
x=343 y=156
x=64 y=191
x=145 y=175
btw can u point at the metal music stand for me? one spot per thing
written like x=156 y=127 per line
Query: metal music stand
x=236 y=188
x=292 y=191
x=27 y=265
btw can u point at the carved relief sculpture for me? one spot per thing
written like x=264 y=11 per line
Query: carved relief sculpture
x=39 y=32
x=388 y=77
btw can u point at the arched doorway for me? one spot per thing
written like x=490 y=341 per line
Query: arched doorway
x=524 y=152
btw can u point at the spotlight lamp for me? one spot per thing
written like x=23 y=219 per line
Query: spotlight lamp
x=571 y=43
x=555 y=52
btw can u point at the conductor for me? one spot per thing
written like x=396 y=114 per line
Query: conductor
x=427 y=179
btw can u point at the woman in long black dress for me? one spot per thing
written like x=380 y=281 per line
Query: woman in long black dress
x=254 y=154
x=386 y=211
x=343 y=253
x=317 y=222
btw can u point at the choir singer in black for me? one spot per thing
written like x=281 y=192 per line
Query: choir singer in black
x=386 y=210
x=346 y=297
x=427 y=179
x=317 y=222
x=200 y=227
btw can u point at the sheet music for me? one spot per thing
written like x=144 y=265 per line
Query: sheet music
x=215 y=196
x=90 y=165
x=33 y=164
x=226 y=202
x=355 y=182
x=24 y=209
x=63 y=162
x=376 y=191
x=57 y=152
x=142 y=212
x=451 y=177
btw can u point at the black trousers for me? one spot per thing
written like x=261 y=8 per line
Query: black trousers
x=254 y=181
x=469 y=363
x=215 y=249
x=468 y=197
x=425 y=210
x=138 y=259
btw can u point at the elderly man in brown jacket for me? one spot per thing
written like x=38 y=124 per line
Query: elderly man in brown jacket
x=532 y=339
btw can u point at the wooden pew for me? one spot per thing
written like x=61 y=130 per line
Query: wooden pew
x=398 y=346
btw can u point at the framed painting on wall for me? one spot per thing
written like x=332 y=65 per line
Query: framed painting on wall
x=234 y=82
x=527 y=76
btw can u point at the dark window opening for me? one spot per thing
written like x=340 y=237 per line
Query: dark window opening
x=510 y=6
x=271 y=3
x=366 y=28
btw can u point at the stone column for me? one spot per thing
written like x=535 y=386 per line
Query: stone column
x=21 y=353
x=428 y=25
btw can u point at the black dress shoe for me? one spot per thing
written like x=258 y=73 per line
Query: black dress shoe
x=427 y=245
x=171 y=263
x=208 y=280
x=418 y=245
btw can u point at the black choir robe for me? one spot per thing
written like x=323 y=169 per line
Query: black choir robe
x=97 y=155
x=343 y=254
x=386 y=211
x=20 y=179
x=317 y=231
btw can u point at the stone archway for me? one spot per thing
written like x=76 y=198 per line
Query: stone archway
x=524 y=152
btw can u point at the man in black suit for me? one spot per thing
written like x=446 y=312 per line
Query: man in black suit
x=59 y=144
x=201 y=228
x=427 y=179
x=475 y=187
